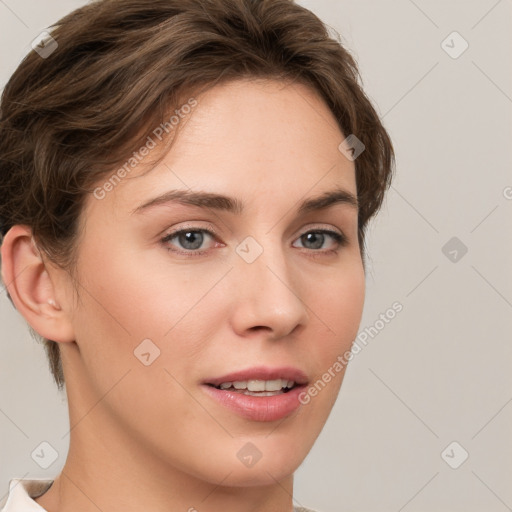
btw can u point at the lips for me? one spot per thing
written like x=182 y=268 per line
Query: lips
x=261 y=373
x=261 y=405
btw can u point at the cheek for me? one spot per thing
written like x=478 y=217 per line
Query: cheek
x=339 y=306
x=128 y=310
x=336 y=309
x=131 y=295
x=128 y=298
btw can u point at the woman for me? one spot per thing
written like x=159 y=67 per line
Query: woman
x=185 y=187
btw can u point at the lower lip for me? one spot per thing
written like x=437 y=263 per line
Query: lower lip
x=258 y=408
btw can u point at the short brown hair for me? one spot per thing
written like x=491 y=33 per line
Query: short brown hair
x=67 y=120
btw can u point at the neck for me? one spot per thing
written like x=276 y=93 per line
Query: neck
x=107 y=475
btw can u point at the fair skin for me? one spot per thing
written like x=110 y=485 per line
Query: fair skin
x=150 y=437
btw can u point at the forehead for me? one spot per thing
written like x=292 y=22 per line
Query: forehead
x=256 y=116
x=245 y=138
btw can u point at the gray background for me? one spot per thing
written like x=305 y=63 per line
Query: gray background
x=440 y=370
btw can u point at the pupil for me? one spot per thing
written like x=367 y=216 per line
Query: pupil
x=187 y=239
x=317 y=239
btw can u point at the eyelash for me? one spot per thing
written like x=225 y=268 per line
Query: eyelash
x=339 y=238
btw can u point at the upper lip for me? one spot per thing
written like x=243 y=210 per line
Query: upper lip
x=261 y=373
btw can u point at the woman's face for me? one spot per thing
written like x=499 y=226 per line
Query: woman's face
x=253 y=286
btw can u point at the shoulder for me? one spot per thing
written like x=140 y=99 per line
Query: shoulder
x=21 y=494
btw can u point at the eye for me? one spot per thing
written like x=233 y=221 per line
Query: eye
x=191 y=240
x=317 y=238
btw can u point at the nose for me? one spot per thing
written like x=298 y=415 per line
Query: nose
x=268 y=295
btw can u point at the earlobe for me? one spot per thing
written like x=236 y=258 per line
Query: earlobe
x=30 y=286
x=54 y=304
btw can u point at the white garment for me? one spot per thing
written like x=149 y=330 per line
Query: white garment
x=22 y=492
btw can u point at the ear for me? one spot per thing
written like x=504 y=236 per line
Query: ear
x=31 y=286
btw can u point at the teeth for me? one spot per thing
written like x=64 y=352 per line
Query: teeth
x=259 y=386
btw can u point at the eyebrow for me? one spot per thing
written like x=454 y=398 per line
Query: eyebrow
x=233 y=205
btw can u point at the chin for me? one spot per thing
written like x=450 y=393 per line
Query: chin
x=260 y=475
x=252 y=461
x=262 y=461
